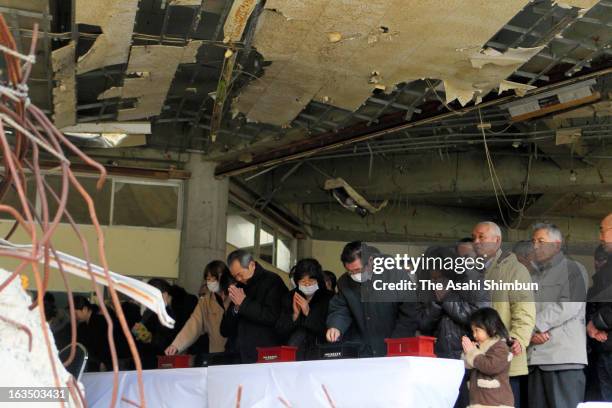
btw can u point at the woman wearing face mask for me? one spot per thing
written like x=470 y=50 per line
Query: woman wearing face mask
x=206 y=318
x=304 y=309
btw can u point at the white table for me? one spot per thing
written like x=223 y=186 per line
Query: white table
x=372 y=382
x=183 y=388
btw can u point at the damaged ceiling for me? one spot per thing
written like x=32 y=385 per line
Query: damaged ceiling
x=345 y=52
x=283 y=90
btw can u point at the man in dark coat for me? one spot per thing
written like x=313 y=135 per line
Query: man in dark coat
x=255 y=307
x=353 y=318
x=445 y=314
x=92 y=332
x=179 y=306
x=599 y=311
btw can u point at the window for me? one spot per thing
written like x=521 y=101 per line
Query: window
x=120 y=201
x=145 y=204
x=240 y=232
x=283 y=253
x=76 y=204
x=274 y=246
x=12 y=199
x=266 y=244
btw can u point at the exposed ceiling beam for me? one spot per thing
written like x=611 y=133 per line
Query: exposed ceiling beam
x=457 y=175
x=333 y=140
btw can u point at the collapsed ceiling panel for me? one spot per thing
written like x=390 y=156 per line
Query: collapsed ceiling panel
x=210 y=6
x=338 y=52
x=582 y=4
x=116 y=21
x=150 y=70
x=64 y=92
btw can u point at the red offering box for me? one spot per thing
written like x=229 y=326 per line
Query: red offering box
x=421 y=346
x=275 y=354
x=177 y=361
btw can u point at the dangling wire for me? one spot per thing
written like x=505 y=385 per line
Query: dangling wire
x=497 y=185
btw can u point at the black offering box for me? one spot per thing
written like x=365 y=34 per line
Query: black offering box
x=212 y=359
x=333 y=351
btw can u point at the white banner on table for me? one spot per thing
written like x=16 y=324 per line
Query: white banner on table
x=185 y=387
x=371 y=382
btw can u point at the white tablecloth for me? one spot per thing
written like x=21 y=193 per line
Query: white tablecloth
x=182 y=388
x=372 y=382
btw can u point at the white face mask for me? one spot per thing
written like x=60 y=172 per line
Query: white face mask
x=357 y=277
x=309 y=290
x=213 y=286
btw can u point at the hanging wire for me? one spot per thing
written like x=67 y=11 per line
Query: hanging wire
x=34 y=132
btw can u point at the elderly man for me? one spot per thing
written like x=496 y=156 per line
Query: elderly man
x=557 y=353
x=255 y=306
x=516 y=308
x=599 y=310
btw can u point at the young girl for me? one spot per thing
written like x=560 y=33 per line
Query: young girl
x=489 y=361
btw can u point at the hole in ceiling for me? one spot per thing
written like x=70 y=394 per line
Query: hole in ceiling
x=89 y=34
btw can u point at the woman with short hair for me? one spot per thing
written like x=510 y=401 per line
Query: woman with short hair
x=304 y=309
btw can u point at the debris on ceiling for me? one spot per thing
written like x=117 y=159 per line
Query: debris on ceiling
x=151 y=69
x=338 y=53
x=115 y=18
x=64 y=92
x=227 y=77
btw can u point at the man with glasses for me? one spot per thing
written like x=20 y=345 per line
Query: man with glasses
x=367 y=322
x=557 y=351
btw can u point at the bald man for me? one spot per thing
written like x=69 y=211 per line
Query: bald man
x=599 y=313
x=516 y=308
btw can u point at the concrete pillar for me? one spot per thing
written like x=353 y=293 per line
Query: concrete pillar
x=203 y=237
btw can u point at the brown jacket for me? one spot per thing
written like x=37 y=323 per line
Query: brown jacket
x=206 y=318
x=489 y=383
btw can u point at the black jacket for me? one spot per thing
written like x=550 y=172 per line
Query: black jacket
x=449 y=320
x=369 y=323
x=93 y=334
x=180 y=308
x=254 y=324
x=307 y=331
x=599 y=307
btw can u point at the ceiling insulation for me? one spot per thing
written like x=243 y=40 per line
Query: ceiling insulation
x=64 y=92
x=116 y=20
x=237 y=19
x=329 y=50
x=150 y=70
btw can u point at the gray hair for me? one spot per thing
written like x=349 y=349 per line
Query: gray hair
x=242 y=256
x=493 y=226
x=553 y=231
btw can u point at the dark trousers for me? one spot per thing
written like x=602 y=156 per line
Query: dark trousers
x=604 y=372
x=555 y=389
x=463 y=400
x=519 y=390
x=593 y=390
